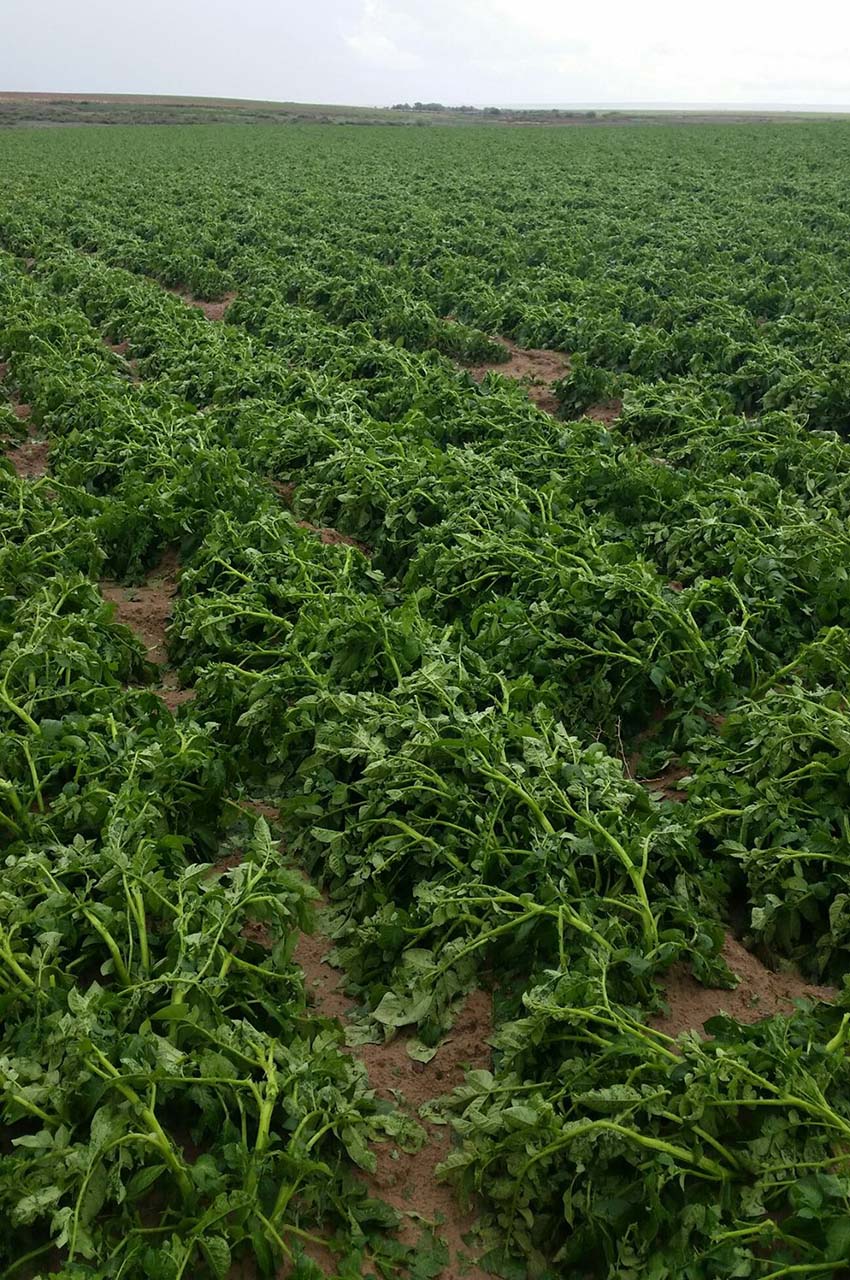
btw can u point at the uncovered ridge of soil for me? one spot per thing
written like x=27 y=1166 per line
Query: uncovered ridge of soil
x=30 y=458
x=666 y=783
x=212 y=310
x=285 y=490
x=120 y=349
x=761 y=993
x=538 y=367
x=606 y=411
x=333 y=537
x=146 y=610
x=406 y=1181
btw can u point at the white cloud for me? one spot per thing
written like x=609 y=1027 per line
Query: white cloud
x=483 y=51
x=375 y=39
x=379 y=51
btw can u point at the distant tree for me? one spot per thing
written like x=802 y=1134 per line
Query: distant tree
x=400 y=106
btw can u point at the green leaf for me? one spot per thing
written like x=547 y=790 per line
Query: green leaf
x=400 y=1011
x=217 y=1252
x=420 y=1052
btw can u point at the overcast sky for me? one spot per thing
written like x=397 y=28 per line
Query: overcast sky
x=453 y=51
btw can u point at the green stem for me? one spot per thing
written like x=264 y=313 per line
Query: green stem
x=112 y=946
x=154 y=1127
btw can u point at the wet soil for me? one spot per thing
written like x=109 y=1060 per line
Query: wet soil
x=759 y=994
x=538 y=367
x=146 y=610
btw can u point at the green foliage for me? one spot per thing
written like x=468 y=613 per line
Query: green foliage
x=435 y=623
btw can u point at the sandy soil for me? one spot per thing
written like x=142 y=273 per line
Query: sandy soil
x=212 y=310
x=536 y=366
x=606 y=412
x=408 y=1181
x=759 y=994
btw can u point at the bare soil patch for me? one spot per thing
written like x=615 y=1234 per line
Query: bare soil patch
x=146 y=610
x=536 y=366
x=606 y=411
x=120 y=349
x=30 y=459
x=333 y=537
x=408 y=1181
x=212 y=310
x=759 y=994
x=285 y=490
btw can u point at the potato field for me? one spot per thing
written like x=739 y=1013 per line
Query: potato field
x=424 y=702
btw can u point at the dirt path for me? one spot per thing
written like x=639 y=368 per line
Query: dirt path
x=537 y=367
x=146 y=610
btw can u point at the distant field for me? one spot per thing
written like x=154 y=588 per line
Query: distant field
x=22 y=108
